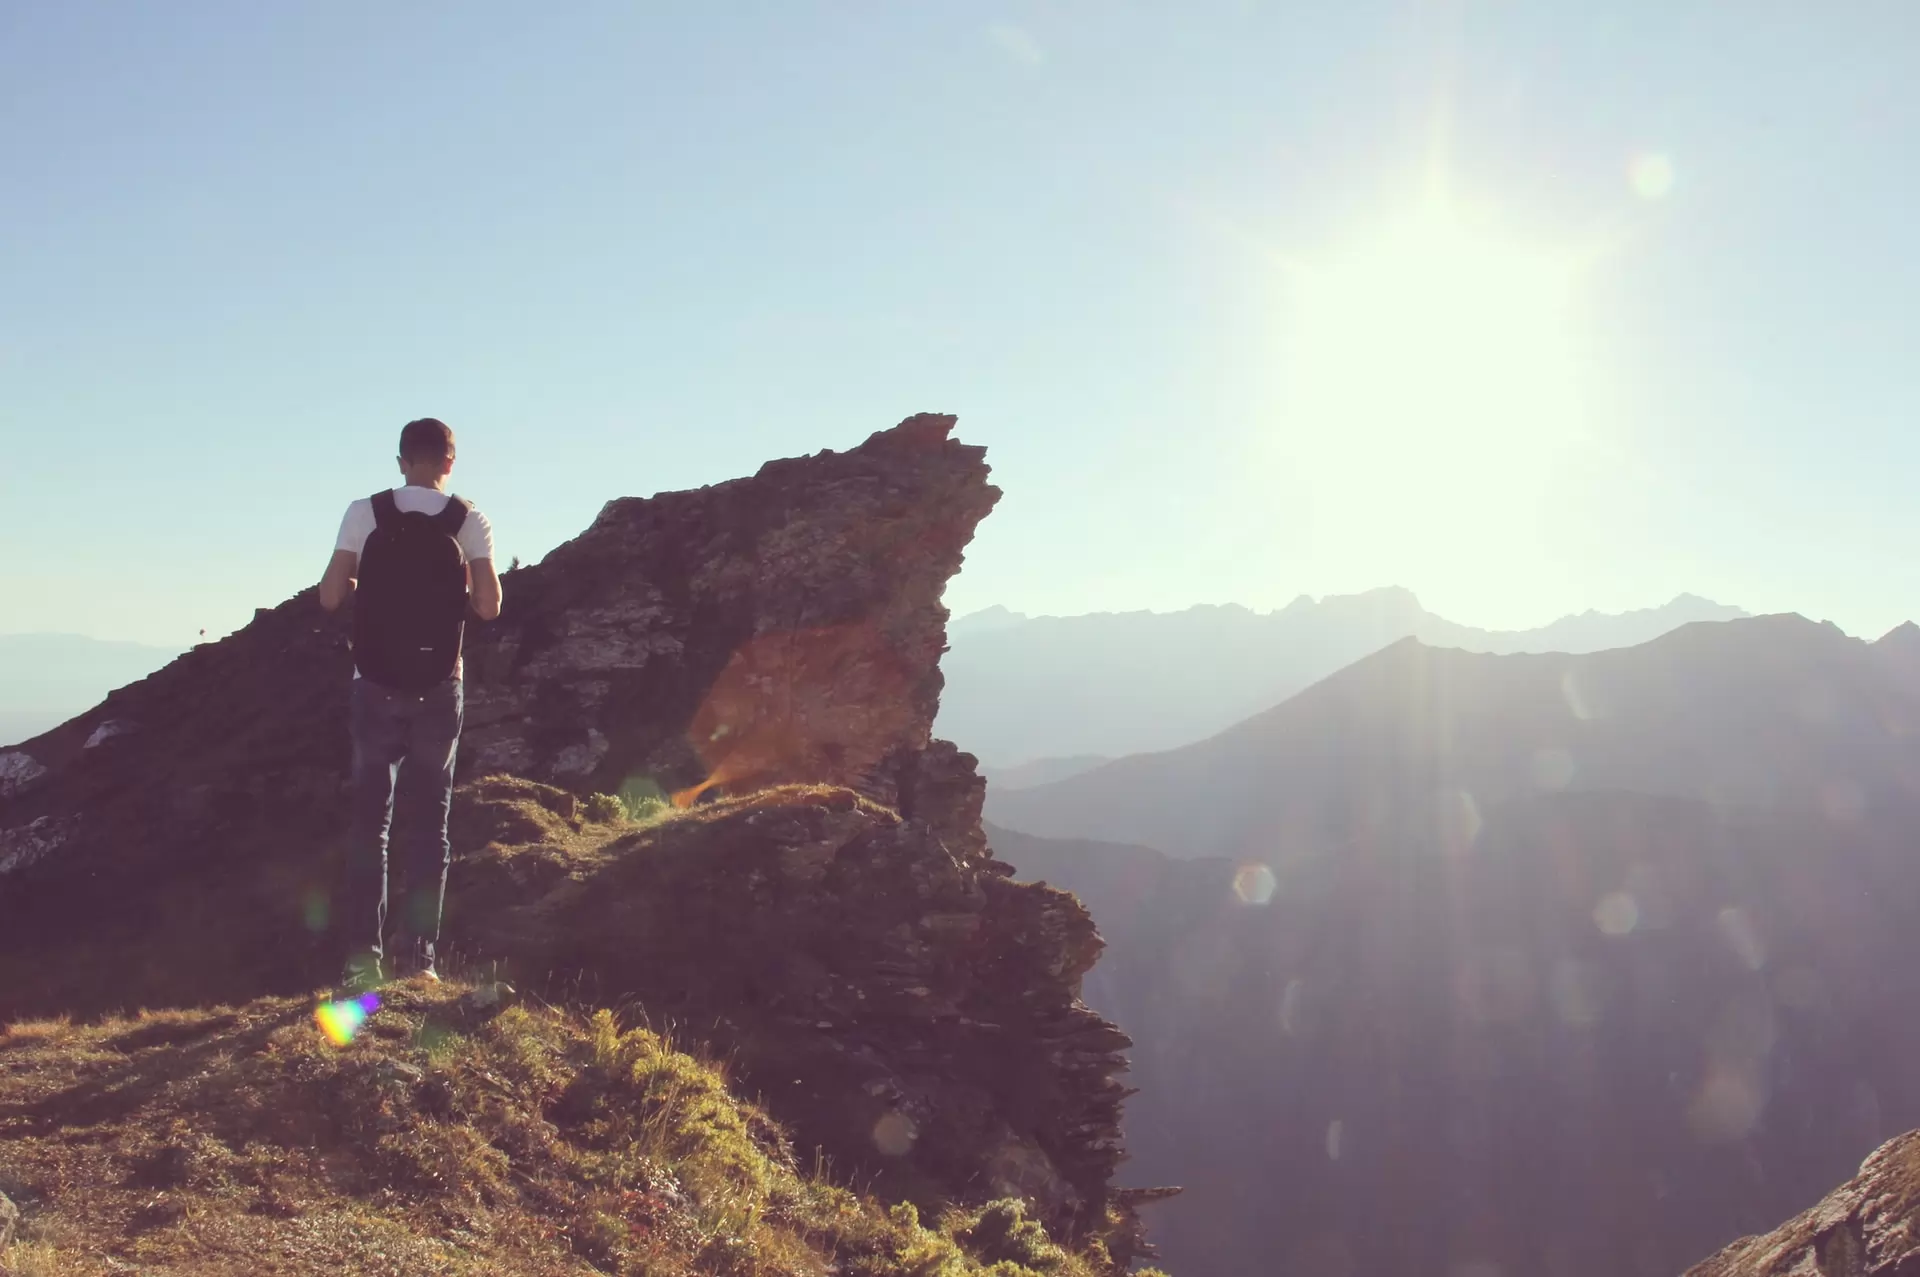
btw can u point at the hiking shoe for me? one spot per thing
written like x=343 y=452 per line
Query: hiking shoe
x=362 y=973
x=415 y=958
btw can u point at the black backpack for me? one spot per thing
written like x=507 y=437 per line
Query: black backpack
x=410 y=608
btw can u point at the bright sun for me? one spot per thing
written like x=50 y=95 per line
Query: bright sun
x=1432 y=381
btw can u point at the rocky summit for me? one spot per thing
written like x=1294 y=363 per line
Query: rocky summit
x=794 y=873
x=1868 y=1227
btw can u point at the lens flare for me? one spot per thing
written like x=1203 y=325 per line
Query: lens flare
x=1254 y=884
x=1575 y=993
x=1651 y=175
x=1727 y=1105
x=1617 y=914
x=1295 y=1019
x=315 y=909
x=1737 y=929
x=894 y=1134
x=806 y=705
x=1576 y=697
x=340 y=1021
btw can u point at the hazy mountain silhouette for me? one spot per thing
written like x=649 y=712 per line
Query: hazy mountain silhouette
x=1021 y=688
x=45 y=679
x=1765 y=712
x=1041 y=771
x=1573 y=964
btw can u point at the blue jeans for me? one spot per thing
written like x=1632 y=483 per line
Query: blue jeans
x=410 y=736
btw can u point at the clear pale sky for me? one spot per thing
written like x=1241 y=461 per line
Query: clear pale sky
x=1176 y=265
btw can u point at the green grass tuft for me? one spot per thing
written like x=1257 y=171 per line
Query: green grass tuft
x=604 y=809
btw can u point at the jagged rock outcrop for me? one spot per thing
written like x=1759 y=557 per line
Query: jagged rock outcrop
x=178 y=843
x=1868 y=1227
x=782 y=627
x=903 y=1007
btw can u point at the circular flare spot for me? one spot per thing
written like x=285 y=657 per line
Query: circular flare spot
x=1617 y=913
x=1651 y=176
x=894 y=1134
x=1254 y=884
x=1727 y=1106
x=340 y=1022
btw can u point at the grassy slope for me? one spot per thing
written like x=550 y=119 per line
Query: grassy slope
x=446 y=1139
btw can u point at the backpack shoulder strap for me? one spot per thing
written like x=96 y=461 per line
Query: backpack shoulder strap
x=384 y=510
x=451 y=519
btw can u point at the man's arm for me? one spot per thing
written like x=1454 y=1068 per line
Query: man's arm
x=336 y=587
x=485 y=588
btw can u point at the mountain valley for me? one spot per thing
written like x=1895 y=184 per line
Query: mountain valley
x=1571 y=964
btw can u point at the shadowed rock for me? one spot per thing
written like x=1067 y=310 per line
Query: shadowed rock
x=907 y=1009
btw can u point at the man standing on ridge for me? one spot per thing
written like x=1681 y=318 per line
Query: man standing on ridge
x=418 y=563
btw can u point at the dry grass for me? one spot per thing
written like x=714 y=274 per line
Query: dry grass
x=35 y=1031
x=443 y=1140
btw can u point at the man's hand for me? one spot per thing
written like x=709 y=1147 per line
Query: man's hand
x=336 y=587
x=484 y=589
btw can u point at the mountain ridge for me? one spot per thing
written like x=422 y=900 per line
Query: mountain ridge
x=1584 y=964
x=1564 y=703
x=47 y=677
x=1021 y=689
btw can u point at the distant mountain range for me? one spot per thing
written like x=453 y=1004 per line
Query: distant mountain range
x=1062 y=693
x=1470 y=729
x=45 y=679
x=1041 y=771
x=1512 y=963
x=1021 y=688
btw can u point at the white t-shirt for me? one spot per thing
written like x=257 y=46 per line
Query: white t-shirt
x=476 y=534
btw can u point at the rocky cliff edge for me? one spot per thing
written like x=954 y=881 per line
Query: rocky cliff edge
x=1868 y=1227
x=820 y=905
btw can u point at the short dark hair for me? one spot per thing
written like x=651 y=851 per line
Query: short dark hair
x=428 y=439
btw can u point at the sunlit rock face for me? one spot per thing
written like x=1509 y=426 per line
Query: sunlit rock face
x=178 y=843
x=1868 y=1227
x=1584 y=984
